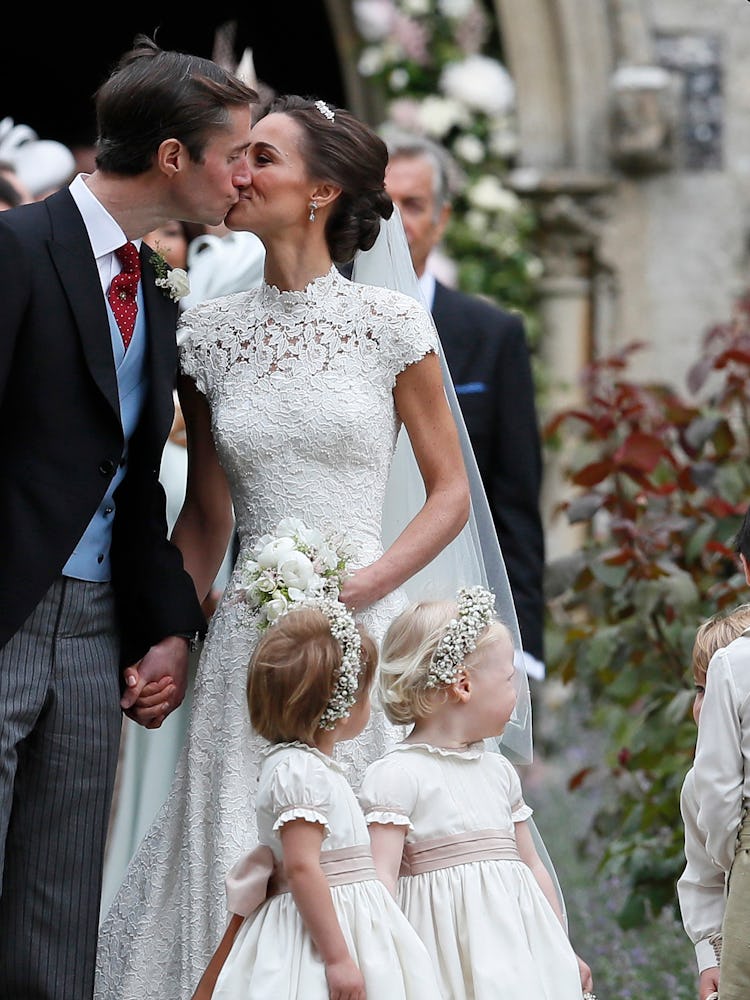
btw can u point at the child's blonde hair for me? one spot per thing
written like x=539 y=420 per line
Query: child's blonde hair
x=715 y=633
x=293 y=673
x=406 y=654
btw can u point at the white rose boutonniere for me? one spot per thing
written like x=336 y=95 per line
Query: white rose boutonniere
x=173 y=280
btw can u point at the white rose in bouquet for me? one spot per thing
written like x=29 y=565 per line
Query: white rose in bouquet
x=289 y=527
x=275 y=607
x=265 y=582
x=327 y=559
x=310 y=537
x=271 y=553
x=290 y=565
x=296 y=571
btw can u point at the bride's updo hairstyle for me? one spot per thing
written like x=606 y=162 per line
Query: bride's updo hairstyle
x=341 y=149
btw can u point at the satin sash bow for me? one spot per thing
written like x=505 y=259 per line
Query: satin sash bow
x=257 y=875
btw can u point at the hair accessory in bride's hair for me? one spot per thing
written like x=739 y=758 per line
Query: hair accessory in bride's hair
x=344 y=631
x=476 y=609
x=325 y=110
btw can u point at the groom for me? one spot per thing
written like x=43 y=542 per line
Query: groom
x=89 y=584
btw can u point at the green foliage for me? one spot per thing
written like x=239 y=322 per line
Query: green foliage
x=663 y=482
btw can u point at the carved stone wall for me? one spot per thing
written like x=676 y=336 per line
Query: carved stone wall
x=652 y=95
x=634 y=120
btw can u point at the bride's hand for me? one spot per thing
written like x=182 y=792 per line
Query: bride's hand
x=361 y=589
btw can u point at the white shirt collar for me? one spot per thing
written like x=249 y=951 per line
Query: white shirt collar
x=427 y=284
x=105 y=234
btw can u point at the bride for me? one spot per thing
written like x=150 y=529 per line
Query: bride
x=294 y=395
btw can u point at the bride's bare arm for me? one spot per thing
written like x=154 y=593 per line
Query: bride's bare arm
x=422 y=405
x=205 y=523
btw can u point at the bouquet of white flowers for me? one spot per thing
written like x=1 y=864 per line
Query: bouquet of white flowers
x=292 y=564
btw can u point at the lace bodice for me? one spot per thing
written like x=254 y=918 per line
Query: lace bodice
x=300 y=389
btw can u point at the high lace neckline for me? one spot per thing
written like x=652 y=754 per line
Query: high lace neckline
x=320 y=286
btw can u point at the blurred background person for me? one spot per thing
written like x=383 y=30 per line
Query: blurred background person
x=14 y=190
x=489 y=361
x=41 y=165
x=221 y=262
x=10 y=196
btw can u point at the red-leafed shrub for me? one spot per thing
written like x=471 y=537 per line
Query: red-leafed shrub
x=662 y=481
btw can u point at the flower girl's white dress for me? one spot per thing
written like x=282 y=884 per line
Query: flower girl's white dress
x=300 y=388
x=273 y=954
x=487 y=925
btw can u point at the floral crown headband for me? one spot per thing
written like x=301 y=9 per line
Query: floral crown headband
x=344 y=631
x=476 y=609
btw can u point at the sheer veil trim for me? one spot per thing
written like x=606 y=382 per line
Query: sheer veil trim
x=474 y=557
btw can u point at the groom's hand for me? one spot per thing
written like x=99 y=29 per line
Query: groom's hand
x=153 y=704
x=156 y=685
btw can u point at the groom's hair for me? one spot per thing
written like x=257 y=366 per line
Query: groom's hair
x=154 y=94
x=293 y=672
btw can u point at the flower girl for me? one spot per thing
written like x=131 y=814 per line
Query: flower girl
x=309 y=918
x=447 y=812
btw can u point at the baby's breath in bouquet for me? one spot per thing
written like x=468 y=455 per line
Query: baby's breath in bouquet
x=292 y=564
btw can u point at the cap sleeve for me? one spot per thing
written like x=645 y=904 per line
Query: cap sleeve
x=388 y=793
x=301 y=789
x=409 y=334
x=518 y=809
x=195 y=348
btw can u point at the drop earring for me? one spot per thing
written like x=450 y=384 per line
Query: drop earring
x=313 y=206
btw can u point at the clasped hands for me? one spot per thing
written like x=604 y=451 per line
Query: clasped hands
x=156 y=685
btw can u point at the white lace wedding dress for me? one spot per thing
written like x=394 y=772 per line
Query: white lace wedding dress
x=300 y=390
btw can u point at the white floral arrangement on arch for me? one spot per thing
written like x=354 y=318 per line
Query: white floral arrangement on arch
x=293 y=564
x=438 y=64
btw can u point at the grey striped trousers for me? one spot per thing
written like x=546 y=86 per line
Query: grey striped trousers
x=60 y=722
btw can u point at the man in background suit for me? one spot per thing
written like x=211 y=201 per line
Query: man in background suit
x=488 y=358
x=93 y=598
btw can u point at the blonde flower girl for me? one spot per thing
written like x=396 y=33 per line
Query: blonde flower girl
x=447 y=814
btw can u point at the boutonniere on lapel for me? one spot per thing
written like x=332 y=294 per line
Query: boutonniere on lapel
x=174 y=281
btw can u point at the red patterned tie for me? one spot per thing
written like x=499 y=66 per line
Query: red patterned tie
x=123 y=289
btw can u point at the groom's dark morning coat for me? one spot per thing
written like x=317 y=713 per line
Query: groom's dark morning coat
x=60 y=433
x=488 y=358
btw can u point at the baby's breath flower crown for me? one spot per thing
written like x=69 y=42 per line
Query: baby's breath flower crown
x=476 y=609
x=345 y=633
